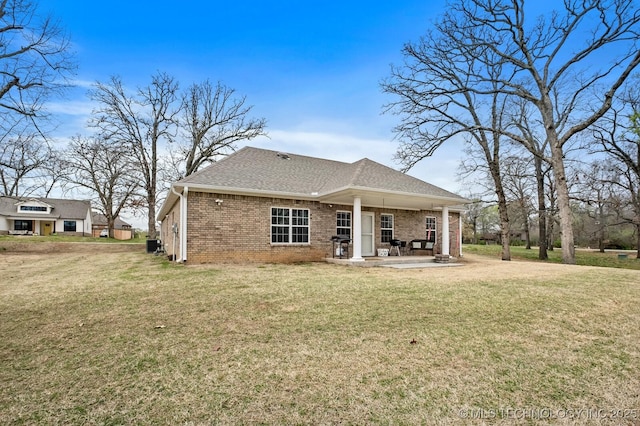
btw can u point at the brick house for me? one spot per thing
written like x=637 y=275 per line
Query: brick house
x=264 y=206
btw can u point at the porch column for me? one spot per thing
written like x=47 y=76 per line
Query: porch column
x=357 y=229
x=460 y=233
x=445 y=230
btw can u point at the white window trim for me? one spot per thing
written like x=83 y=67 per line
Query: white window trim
x=290 y=225
x=75 y=222
x=393 y=226
x=350 y=227
x=435 y=227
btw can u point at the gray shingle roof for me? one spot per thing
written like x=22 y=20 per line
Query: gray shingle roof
x=66 y=209
x=98 y=219
x=261 y=170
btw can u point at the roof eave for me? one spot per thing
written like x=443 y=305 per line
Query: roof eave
x=354 y=190
x=393 y=199
x=172 y=198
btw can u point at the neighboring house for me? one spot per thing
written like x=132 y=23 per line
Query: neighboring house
x=44 y=216
x=121 y=231
x=266 y=206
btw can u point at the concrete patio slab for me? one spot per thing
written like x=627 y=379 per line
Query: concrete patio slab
x=400 y=262
x=420 y=265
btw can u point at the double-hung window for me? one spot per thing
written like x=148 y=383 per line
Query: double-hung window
x=289 y=226
x=343 y=224
x=69 y=226
x=386 y=227
x=430 y=229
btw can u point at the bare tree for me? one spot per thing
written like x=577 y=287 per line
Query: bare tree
x=35 y=64
x=594 y=194
x=446 y=92
x=23 y=157
x=213 y=120
x=472 y=214
x=519 y=184
x=578 y=56
x=105 y=170
x=53 y=173
x=526 y=132
x=35 y=58
x=141 y=122
x=618 y=136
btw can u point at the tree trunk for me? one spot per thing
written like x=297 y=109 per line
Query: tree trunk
x=638 y=242
x=475 y=230
x=601 y=240
x=564 y=206
x=505 y=228
x=151 y=223
x=111 y=224
x=542 y=211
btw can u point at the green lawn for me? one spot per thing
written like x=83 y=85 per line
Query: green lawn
x=128 y=338
x=583 y=256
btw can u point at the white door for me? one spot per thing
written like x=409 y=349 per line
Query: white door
x=368 y=234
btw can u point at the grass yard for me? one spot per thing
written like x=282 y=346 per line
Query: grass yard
x=95 y=337
x=584 y=257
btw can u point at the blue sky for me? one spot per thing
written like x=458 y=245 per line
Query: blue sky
x=311 y=68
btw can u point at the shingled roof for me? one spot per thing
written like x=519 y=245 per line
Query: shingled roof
x=67 y=209
x=271 y=173
x=98 y=219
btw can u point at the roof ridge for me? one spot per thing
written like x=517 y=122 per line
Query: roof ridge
x=359 y=168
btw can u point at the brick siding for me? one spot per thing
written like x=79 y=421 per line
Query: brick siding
x=239 y=230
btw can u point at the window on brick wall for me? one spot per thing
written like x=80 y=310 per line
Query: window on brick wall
x=430 y=229
x=386 y=227
x=289 y=226
x=343 y=224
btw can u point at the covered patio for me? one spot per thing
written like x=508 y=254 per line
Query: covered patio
x=363 y=200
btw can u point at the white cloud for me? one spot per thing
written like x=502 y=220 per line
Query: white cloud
x=75 y=107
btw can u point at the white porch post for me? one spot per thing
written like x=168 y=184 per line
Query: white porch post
x=460 y=233
x=445 y=230
x=357 y=229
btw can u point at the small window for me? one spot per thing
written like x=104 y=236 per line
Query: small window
x=430 y=230
x=386 y=227
x=289 y=226
x=33 y=209
x=69 y=226
x=343 y=224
